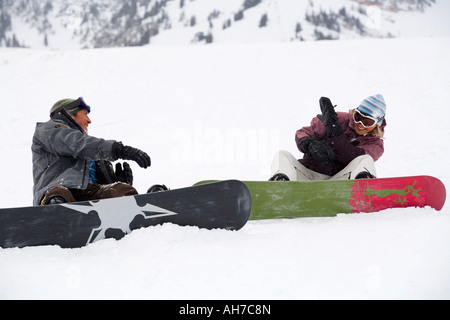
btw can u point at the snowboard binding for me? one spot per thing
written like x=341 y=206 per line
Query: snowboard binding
x=54 y=199
x=279 y=177
x=157 y=188
x=364 y=175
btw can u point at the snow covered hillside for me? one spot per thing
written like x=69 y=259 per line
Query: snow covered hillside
x=222 y=111
x=66 y=24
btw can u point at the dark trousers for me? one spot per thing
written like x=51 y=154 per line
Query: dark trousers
x=92 y=192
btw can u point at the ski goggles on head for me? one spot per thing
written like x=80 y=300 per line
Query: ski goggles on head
x=364 y=119
x=77 y=104
x=72 y=107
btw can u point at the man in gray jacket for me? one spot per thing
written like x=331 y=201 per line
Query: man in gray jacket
x=69 y=165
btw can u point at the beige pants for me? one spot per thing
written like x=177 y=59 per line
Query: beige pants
x=284 y=162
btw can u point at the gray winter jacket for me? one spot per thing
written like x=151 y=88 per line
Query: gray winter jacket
x=61 y=153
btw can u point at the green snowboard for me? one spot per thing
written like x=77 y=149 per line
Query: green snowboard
x=295 y=199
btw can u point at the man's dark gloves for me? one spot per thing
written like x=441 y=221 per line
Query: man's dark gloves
x=319 y=151
x=329 y=117
x=124 y=175
x=120 y=151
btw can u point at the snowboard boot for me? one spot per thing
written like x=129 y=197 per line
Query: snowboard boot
x=55 y=199
x=364 y=175
x=279 y=177
x=157 y=188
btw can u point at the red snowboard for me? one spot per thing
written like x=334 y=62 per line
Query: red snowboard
x=297 y=199
x=378 y=194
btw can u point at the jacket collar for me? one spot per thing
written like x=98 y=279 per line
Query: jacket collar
x=64 y=116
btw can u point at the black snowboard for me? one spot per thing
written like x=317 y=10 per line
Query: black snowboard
x=222 y=205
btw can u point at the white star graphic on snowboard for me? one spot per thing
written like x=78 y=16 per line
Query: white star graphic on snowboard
x=108 y=210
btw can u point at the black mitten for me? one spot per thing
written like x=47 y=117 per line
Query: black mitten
x=129 y=153
x=329 y=117
x=124 y=175
x=319 y=151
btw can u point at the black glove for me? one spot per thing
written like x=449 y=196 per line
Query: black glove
x=319 y=151
x=120 y=151
x=124 y=175
x=329 y=117
x=344 y=149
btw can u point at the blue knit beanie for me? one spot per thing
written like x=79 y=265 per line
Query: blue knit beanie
x=375 y=107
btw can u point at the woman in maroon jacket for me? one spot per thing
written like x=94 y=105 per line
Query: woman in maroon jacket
x=329 y=154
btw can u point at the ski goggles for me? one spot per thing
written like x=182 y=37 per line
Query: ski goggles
x=366 y=120
x=79 y=103
x=72 y=107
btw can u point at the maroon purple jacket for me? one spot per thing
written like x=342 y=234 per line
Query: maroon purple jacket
x=347 y=146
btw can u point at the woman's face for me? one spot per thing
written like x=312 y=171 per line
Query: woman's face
x=360 y=128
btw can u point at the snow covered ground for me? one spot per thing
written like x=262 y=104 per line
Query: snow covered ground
x=222 y=111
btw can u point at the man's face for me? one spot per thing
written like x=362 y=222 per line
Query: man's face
x=82 y=118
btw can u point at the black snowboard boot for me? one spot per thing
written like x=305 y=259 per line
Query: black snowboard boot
x=157 y=188
x=279 y=177
x=55 y=199
x=364 y=175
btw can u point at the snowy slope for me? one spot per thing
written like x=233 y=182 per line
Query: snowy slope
x=222 y=111
x=114 y=23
